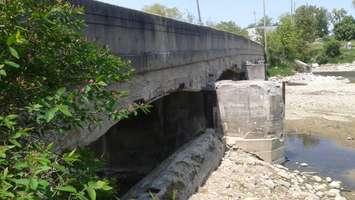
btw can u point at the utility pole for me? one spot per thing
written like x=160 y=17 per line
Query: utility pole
x=199 y=12
x=265 y=39
x=254 y=13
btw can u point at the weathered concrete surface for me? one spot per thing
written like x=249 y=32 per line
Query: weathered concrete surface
x=135 y=146
x=168 y=56
x=251 y=114
x=183 y=172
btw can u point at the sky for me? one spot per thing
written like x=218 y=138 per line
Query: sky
x=240 y=11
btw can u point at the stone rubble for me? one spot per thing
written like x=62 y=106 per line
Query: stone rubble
x=243 y=176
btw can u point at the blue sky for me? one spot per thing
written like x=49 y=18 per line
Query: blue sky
x=240 y=11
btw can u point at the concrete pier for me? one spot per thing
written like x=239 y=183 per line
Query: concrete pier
x=251 y=114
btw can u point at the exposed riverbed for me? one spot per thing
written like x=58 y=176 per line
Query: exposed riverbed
x=320 y=123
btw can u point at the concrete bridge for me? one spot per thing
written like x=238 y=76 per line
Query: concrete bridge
x=177 y=65
x=167 y=55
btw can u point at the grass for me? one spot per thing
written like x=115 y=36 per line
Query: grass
x=280 y=70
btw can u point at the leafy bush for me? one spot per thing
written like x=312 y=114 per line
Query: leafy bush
x=51 y=80
x=332 y=48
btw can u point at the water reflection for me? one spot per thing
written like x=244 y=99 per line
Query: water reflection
x=323 y=156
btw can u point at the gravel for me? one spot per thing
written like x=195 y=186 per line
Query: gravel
x=243 y=176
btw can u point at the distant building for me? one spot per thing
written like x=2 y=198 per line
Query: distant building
x=253 y=33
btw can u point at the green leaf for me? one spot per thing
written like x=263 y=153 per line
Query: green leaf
x=60 y=91
x=67 y=188
x=91 y=192
x=14 y=52
x=21 y=181
x=11 y=64
x=15 y=142
x=2 y=72
x=3 y=150
x=11 y=40
x=65 y=110
x=50 y=114
x=33 y=183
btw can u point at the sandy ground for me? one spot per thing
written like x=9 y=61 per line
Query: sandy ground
x=321 y=105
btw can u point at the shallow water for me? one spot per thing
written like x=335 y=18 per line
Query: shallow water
x=323 y=156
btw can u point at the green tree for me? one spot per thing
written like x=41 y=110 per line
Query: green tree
x=345 y=29
x=286 y=43
x=173 y=13
x=337 y=15
x=231 y=27
x=164 y=11
x=312 y=21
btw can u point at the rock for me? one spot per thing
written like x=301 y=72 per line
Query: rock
x=349 y=138
x=300 y=180
x=320 y=194
x=333 y=192
x=328 y=179
x=285 y=183
x=304 y=164
x=339 y=198
x=308 y=186
x=270 y=184
x=335 y=184
x=284 y=174
x=317 y=178
x=321 y=187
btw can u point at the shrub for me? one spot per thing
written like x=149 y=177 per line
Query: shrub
x=51 y=80
x=331 y=48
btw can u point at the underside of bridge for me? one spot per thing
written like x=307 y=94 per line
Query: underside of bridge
x=135 y=146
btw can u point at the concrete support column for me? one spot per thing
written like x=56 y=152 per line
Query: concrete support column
x=251 y=114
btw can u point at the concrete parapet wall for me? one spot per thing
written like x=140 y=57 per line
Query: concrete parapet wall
x=153 y=43
x=251 y=115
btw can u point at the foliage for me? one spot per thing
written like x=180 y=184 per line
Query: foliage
x=312 y=22
x=33 y=171
x=337 y=15
x=281 y=70
x=286 y=43
x=231 y=27
x=164 y=11
x=346 y=56
x=51 y=80
x=345 y=29
x=332 y=48
x=173 y=13
x=260 y=28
